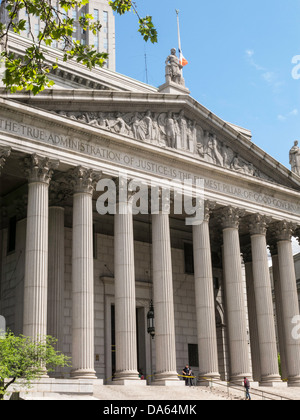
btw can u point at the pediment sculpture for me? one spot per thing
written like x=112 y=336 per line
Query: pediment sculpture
x=295 y=158
x=174 y=69
x=175 y=131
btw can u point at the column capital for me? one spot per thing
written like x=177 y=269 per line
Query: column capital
x=39 y=168
x=284 y=230
x=5 y=152
x=84 y=180
x=258 y=224
x=125 y=189
x=209 y=206
x=230 y=217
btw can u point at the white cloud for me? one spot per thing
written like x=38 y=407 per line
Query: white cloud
x=270 y=77
x=249 y=53
x=250 y=59
x=293 y=113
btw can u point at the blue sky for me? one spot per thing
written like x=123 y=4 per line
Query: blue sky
x=240 y=61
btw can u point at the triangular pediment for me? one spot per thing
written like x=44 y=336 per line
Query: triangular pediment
x=118 y=105
x=177 y=124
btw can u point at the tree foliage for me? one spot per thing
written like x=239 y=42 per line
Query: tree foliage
x=31 y=72
x=27 y=359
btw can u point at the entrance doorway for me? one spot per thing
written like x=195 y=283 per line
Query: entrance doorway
x=140 y=339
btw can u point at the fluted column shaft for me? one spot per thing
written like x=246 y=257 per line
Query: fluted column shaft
x=163 y=300
x=83 y=275
x=125 y=298
x=278 y=304
x=39 y=171
x=264 y=302
x=254 y=340
x=289 y=301
x=56 y=272
x=235 y=302
x=205 y=301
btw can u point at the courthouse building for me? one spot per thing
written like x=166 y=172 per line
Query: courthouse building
x=89 y=278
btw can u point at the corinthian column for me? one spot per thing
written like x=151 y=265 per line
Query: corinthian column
x=235 y=301
x=125 y=300
x=83 y=181
x=278 y=304
x=166 y=370
x=205 y=300
x=39 y=171
x=264 y=303
x=289 y=300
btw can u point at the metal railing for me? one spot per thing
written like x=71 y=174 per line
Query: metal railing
x=264 y=395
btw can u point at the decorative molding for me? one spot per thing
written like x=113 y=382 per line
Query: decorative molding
x=284 y=230
x=258 y=224
x=169 y=130
x=83 y=180
x=230 y=217
x=209 y=206
x=39 y=168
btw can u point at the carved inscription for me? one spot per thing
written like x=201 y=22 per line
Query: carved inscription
x=130 y=161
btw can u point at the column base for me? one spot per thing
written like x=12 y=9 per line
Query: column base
x=167 y=379
x=83 y=374
x=239 y=379
x=126 y=376
x=294 y=382
x=127 y=382
x=270 y=381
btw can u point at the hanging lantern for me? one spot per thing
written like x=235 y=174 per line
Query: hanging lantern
x=150 y=320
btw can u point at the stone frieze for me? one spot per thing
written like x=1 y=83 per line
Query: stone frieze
x=172 y=130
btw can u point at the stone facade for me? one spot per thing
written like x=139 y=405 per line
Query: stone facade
x=88 y=278
x=103 y=41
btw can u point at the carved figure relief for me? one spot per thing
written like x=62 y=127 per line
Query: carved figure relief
x=173 y=130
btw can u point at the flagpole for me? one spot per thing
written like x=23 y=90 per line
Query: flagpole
x=182 y=60
x=178 y=30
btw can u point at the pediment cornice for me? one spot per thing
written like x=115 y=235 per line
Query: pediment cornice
x=174 y=122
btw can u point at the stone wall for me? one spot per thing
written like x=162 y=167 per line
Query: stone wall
x=12 y=278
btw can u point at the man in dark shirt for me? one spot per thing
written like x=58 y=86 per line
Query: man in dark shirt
x=186 y=372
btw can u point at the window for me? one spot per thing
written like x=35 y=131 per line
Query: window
x=193 y=355
x=96 y=42
x=36 y=29
x=11 y=238
x=188 y=258
x=105 y=17
x=105 y=45
x=96 y=14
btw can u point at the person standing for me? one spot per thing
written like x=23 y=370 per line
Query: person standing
x=247 y=388
x=186 y=372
